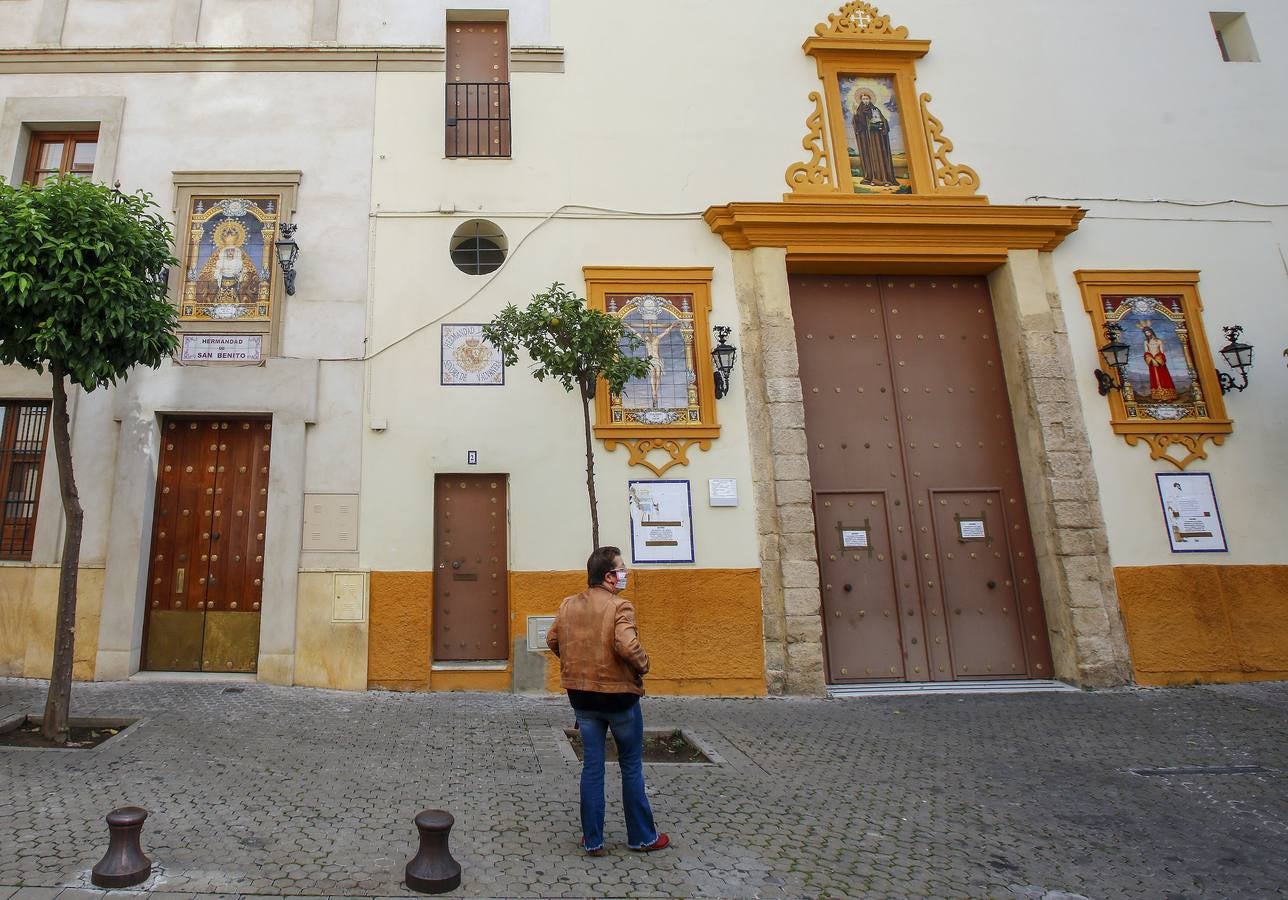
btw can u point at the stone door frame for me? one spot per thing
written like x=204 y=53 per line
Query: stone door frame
x=1088 y=642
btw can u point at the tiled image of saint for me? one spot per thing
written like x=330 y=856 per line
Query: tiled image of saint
x=876 y=148
x=1160 y=379
x=230 y=250
x=668 y=393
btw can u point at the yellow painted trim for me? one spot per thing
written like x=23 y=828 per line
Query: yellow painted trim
x=908 y=236
x=1190 y=435
x=695 y=280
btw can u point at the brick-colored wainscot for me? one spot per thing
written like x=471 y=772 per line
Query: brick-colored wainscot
x=702 y=628
x=1205 y=623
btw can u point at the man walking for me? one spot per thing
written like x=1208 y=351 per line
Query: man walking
x=602 y=667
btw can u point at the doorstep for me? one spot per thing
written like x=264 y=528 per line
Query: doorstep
x=471 y=665
x=922 y=688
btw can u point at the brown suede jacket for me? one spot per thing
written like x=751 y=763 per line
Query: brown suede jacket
x=598 y=646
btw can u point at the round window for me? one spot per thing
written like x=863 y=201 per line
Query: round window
x=478 y=247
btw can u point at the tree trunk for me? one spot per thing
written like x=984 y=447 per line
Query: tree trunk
x=586 y=396
x=58 y=703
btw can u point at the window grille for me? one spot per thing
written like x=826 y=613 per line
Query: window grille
x=23 y=428
x=478 y=119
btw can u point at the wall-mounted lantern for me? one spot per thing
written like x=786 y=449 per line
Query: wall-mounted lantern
x=722 y=356
x=287 y=250
x=1237 y=356
x=1115 y=354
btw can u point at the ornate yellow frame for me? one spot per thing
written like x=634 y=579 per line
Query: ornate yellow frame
x=858 y=40
x=674 y=439
x=1190 y=434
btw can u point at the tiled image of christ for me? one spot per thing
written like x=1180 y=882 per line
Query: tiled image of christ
x=229 y=258
x=664 y=326
x=874 y=135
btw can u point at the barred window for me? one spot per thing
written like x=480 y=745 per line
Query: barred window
x=23 y=428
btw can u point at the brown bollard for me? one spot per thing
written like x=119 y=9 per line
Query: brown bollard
x=124 y=864
x=432 y=870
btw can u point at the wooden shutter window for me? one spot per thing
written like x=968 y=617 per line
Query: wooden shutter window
x=60 y=153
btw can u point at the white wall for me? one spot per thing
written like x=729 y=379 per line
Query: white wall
x=18 y=21
x=678 y=106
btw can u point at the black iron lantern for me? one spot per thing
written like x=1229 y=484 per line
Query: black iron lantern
x=287 y=250
x=1237 y=356
x=722 y=355
x=1115 y=353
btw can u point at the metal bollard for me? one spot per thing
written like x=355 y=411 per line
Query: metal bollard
x=432 y=870
x=123 y=864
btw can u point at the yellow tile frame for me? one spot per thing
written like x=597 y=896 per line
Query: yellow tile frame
x=1164 y=439
x=675 y=439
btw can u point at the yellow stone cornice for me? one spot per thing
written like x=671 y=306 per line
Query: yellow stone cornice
x=907 y=234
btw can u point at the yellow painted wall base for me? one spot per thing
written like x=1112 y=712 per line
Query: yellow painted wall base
x=702 y=628
x=28 y=609
x=1204 y=623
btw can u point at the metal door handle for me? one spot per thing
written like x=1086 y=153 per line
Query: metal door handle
x=991 y=585
x=179 y=580
x=215 y=536
x=456 y=564
x=848 y=588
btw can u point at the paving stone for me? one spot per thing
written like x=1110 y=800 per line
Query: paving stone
x=311 y=794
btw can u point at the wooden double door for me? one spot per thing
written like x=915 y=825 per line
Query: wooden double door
x=206 y=570
x=925 y=554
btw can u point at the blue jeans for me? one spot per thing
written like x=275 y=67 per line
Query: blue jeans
x=628 y=732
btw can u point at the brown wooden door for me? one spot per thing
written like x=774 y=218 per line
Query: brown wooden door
x=478 y=89
x=471 y=595
x=205 y=579
x=925 y=553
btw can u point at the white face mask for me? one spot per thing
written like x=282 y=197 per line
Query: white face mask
x=621 y=578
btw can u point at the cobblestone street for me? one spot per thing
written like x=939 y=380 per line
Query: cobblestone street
x=293 y=791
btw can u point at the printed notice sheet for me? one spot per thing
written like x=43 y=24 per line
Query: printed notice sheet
x=1190 y=512
x=661 y=521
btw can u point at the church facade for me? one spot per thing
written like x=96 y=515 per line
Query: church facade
x=949 y=327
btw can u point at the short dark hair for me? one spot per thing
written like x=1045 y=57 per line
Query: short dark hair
x=601 y=562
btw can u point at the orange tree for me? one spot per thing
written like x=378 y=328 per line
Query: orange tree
x=82 y=295
x=576 y=346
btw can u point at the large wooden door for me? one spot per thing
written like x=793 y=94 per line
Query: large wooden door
x=205 y=578
x=471 y=594
x=925 y=554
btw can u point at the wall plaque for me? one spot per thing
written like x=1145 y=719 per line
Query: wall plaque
x=661 y=521
x=538 y=628
x=207 y=347
x=1190 y=512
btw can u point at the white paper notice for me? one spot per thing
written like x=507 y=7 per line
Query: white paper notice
x=854 y=537
x=661 y=521
x=723 y=491
x=1190 y=511
x=971 y=529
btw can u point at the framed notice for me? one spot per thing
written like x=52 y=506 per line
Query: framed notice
x=1190 y=512
x=661 y=521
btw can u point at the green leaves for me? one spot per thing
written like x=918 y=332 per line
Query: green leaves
x=568 y=342
x=79 y=283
